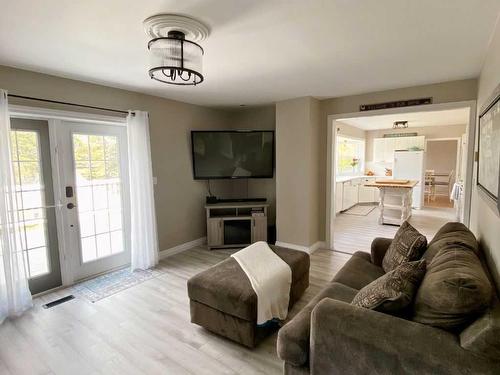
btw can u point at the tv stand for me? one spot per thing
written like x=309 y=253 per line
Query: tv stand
x=235 y=224
x=212 y=200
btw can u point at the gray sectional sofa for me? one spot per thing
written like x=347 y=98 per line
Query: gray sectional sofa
x=331 y=336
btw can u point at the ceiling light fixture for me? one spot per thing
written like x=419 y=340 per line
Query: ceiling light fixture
x=175 y=57
x=400 y=125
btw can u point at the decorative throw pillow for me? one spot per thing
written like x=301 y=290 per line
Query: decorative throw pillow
x=408 y=245
x=393 y=291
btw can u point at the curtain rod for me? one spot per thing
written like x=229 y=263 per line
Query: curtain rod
x=67 y=103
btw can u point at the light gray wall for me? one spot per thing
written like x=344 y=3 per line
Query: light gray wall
x=349 y=130
x=179 y=199
x=445 y=92
x=255 y=118
x=485 y=220
x=298 y=191
x=441 y=156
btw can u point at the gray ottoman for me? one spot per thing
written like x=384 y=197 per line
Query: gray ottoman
x=223 y=301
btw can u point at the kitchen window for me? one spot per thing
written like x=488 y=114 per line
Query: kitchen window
x=350 y=156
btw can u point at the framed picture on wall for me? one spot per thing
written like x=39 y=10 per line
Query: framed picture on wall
x=488 y=166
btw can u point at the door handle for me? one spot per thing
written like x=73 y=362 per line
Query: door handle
x=70 y=206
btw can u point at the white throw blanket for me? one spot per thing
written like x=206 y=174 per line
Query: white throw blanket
x=271 y=279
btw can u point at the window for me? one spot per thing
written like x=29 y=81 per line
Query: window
x=350 y=156
x=30 y=201
x=99 y=196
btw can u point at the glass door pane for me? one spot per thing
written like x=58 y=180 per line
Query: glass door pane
x=30 y=200
x=35 y=203
x=99 y=196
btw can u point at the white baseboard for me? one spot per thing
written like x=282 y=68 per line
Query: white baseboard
x=307 y=249
x=316 y=246
x=182 y=247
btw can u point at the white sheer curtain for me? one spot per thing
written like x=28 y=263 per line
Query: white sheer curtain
x=144 y=236
x=15 y=296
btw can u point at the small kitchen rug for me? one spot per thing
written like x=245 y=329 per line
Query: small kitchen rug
x=111 y=283
x=360 y=210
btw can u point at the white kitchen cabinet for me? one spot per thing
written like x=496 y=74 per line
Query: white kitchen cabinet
x=378 y=149
x=367 y=194
x=339 y=191
x=418 y=142
x=383 y=148
x=350 y=194
x=389 y=147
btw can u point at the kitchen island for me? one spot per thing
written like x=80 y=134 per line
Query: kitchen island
x=395 y=200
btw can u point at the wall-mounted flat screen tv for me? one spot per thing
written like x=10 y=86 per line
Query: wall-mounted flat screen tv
x=232 y=154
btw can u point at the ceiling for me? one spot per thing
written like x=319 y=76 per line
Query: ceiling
x=259 y=51
x=458 y=116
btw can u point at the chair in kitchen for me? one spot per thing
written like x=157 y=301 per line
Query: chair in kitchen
x=448 y=183
x=430 y=187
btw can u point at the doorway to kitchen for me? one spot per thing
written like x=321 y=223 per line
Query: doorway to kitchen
x=444 y=159
x=71 y=181
x=398 y=146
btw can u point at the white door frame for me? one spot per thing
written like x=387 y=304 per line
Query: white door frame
x=330 y=160
x=54 y=117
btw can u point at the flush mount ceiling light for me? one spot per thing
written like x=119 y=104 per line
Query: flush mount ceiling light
x=175 y=57
x=400 y=125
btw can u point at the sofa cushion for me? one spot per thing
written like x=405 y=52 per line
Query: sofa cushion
x=483 y=335
x=455 y=290
x=394 y=291
x=226 y=287
x=359 y=271
x=451 y=235
x=293 y=337
x=408 y=245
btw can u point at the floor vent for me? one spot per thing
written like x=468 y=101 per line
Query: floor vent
x=58 y=301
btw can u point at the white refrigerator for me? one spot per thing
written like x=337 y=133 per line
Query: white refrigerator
x=410 y=165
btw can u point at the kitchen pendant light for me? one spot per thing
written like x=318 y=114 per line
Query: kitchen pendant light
x=400 y=125
x=175 y=57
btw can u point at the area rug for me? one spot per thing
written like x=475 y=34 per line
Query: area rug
x=111 y=283
x=360 y=210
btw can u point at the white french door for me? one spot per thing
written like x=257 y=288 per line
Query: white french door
x=94 y=190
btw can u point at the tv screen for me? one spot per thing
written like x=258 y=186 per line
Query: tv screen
x=232 y=154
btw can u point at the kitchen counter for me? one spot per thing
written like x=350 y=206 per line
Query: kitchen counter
x=407 y=185
x=350 y=178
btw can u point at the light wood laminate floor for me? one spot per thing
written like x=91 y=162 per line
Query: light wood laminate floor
x=142 y=330
x=438 y=201
x=356 y=233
